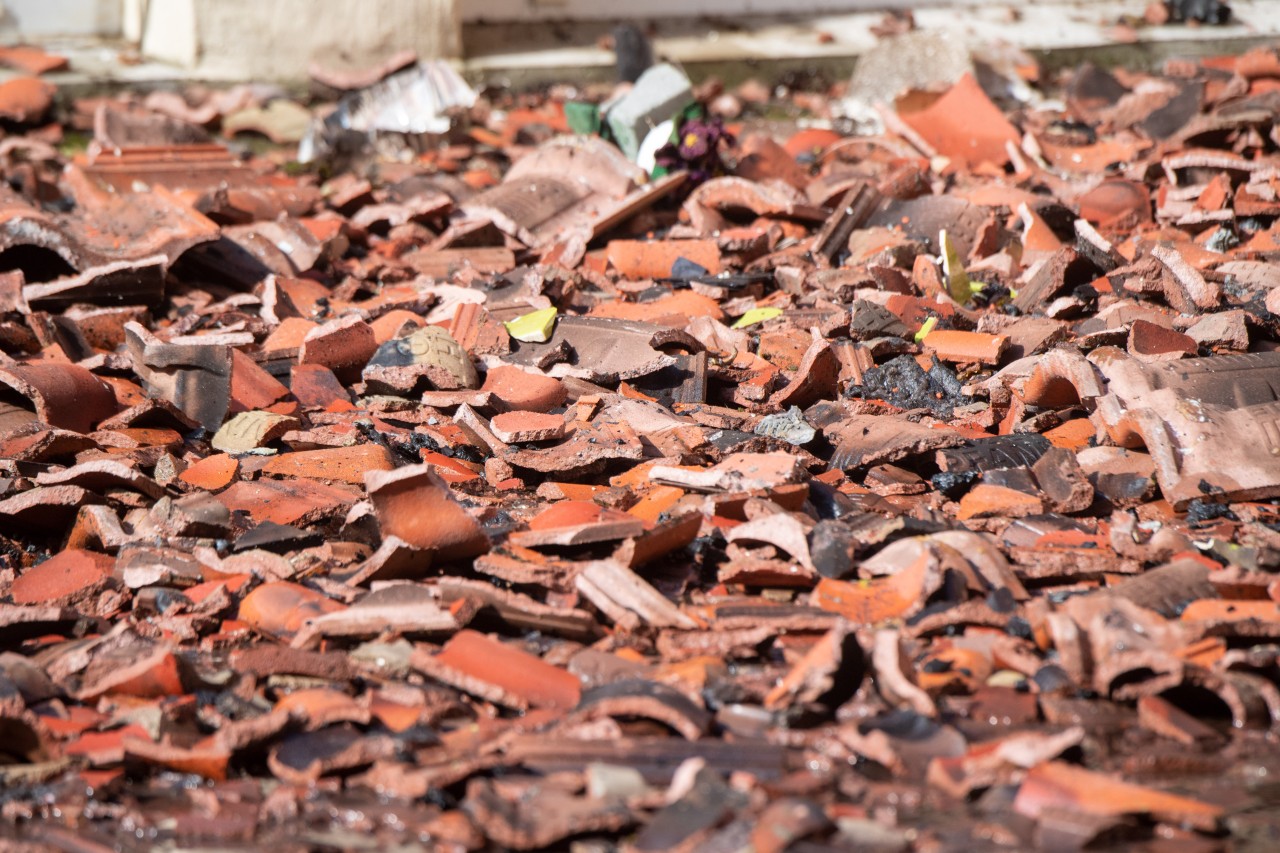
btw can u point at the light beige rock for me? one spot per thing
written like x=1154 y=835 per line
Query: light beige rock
x=251 y=430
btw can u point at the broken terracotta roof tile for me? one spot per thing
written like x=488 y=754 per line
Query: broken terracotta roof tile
x=61 y=395
x=413 y=504
x=965 y=125
x=282 y=494
x=45 y=509
x=707 y=205
x=519 y=427
x=638 y=259
x=627 y=599
x=297 y=502
x=403 y=609
x=601 y=349
x=956 y=346
x=587 y=449
x=194 y=377
x=139 y=282
x=577 y=523
x=101 y=476
x=344 y=346
x=251 y=386
x=212 y=473
x=315 y=386
x=65 y=578
x=25 y=99
x=340 y=464
x=499 y=673
x=282 y=608
x=1057 y=785
x=32 y=59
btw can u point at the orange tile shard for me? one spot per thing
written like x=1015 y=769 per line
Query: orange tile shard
x=964 y=125
x=416 y=505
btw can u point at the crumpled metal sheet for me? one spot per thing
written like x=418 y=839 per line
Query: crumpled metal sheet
x=417 y=100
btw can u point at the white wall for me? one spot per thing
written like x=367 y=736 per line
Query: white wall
x=249 y=39
x=586 y=10
x=39 y=18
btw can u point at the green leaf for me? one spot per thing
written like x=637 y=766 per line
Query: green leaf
x=582 y=117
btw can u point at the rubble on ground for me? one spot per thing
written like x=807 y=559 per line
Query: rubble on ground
x=501 y=489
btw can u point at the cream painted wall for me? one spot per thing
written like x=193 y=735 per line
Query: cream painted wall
x=38 y=18
x=475 y=11
x=278 y=38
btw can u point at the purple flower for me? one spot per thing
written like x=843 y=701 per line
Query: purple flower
x=696 y=149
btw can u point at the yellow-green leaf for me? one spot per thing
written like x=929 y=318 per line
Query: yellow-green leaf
x=926 y=328
x=534 y=327
x=757 y=315
x=953 y=269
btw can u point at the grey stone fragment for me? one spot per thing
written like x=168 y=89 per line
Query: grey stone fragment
x=659 y=93
x=789 y=426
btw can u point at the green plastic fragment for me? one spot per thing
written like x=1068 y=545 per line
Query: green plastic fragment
x=534 y=327
x=957 y=280
x=757 y=315
x=582 y=117
x=926 y=328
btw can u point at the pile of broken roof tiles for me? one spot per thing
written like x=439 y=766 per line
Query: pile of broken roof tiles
x=899 y=492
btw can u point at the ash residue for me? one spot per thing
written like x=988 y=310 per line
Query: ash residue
x=953 y=484
x=1202 y=510
x=903 y=383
